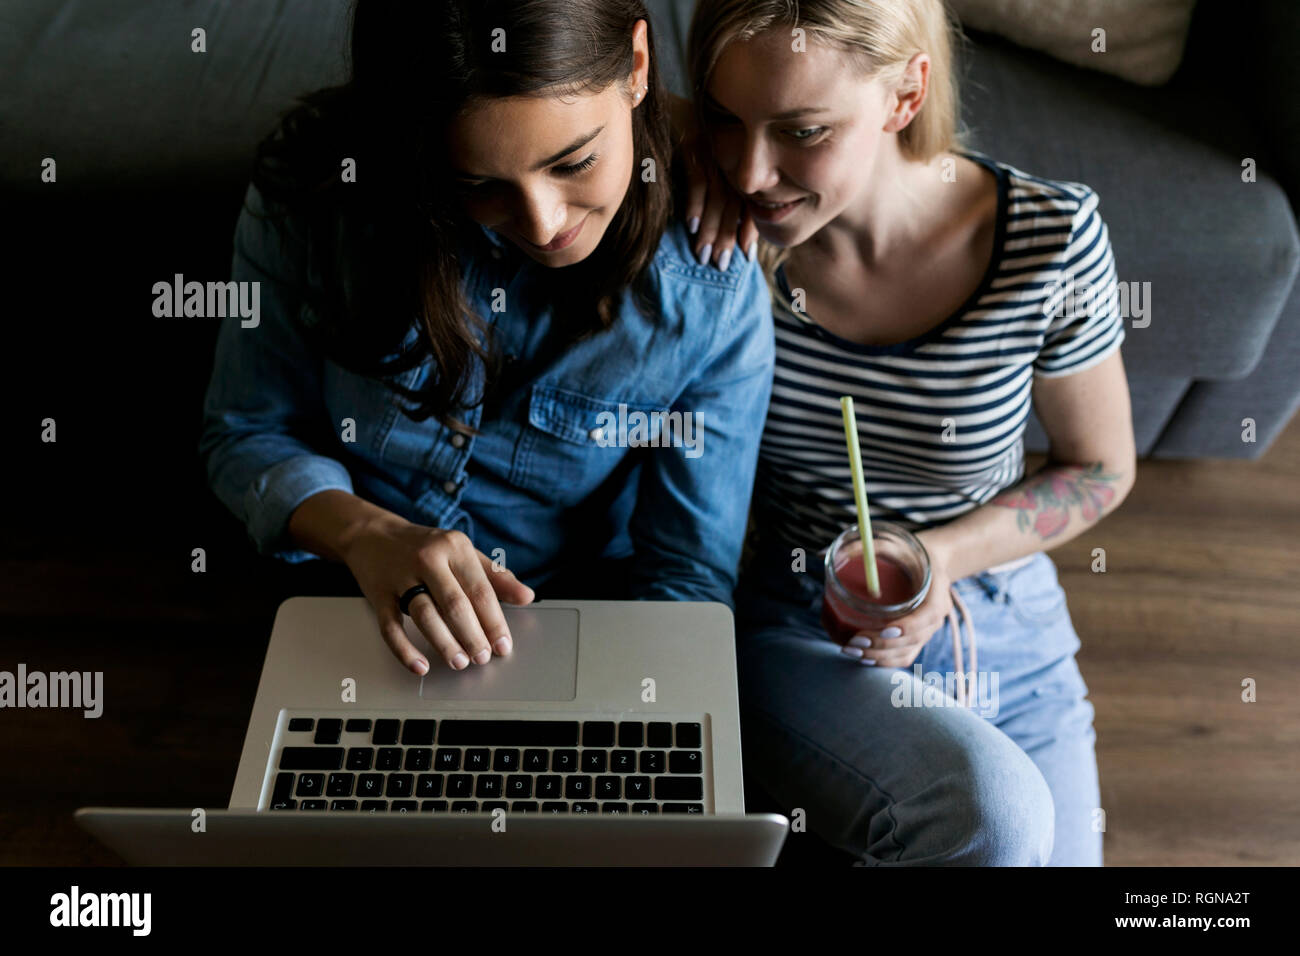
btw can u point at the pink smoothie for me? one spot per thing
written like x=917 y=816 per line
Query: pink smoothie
x=841 y=621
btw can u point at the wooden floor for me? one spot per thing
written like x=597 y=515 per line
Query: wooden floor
x=1200 y=594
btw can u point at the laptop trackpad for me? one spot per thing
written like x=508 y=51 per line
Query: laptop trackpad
x=542 y=666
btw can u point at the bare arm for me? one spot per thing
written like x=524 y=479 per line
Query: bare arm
x=1091 y=468
x=327 y=522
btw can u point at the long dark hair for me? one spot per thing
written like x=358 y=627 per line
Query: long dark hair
x=414 y=66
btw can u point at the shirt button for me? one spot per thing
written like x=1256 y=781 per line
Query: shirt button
x=458 y=440
x=596 y=434
x=450 y=486
x=496 y=253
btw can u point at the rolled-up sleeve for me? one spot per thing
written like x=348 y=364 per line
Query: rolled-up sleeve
x=264 y=418
x=692 y=509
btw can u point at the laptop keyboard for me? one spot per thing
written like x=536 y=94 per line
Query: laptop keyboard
x=477 y=766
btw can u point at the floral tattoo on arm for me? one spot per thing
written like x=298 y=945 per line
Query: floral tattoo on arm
x=1042 y=503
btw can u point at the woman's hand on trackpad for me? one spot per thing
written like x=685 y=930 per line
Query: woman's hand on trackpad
x=461 y=614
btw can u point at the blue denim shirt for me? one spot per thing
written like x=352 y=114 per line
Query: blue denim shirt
x=560 y=475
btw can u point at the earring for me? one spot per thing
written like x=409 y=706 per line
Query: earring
x=640 y=93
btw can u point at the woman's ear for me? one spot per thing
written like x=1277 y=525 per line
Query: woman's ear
x=909 y=94
x=640 y=78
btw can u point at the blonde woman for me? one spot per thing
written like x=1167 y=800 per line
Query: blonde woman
x=944 y=291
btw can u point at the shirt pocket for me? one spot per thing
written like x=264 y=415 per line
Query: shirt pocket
x=379 y=434
x=572 y=443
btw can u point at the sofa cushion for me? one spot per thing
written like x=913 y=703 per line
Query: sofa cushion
x=1220 y=254
x=1144 y=39
x=112 y=91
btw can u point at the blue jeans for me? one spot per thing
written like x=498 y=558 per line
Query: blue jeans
x=882 y=761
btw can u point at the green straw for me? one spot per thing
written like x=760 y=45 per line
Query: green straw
x=860 y=495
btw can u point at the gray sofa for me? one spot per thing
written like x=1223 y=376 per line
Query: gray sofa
x=113 y=92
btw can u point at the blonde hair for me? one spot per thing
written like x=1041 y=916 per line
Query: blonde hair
x=880 y=35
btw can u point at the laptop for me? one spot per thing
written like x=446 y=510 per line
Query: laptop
x=609 y=736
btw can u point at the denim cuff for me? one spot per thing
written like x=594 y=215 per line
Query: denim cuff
x=278 y=491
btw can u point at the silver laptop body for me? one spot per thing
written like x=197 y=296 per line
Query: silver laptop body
x=667 y=667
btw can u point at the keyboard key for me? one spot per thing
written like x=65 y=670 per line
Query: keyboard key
x=613 y=808
x=489 y=785
x=283 y=788
x=548 y=786
x=659 y=734
x=609 y=788
x=328 y=730
x=564 y=761
x=685 y=761
x=339 y=785
x=429 y=785
x=598 y=733
x=637 y=788
x=586 y=808
x=389 y=758
x=385 y=732
x=416 y=733
x=535 y=761
x=402 y=806
x=593 y=761
x=490 y=805
x=555 y=808
x=370 y=785
x=645 y=809
x=688 y=736
x=343 y=805
x=357 y=725
x=505 y=761
x=679 y=788
x=310 y=785
x=447 y=758
x=510 y=733
x=477 y=759
x=374 y=806
x=419 y=758
x=285 y=805
x=311 y=758
x=577 y=788
x=433 y=806
x=523 y=806
x=631 y=734
x=399 y=784
x=300 y=724
x=360 y=758
x=683 y=808
x=465 y=806
x=622 y=761
x=652 y=761
x=460 y=785
x=519 y=785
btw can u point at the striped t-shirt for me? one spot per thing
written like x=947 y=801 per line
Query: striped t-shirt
x=941 y=417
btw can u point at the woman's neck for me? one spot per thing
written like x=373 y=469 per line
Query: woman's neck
x=895 y=209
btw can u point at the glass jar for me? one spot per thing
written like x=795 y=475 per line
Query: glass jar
x=903 y=567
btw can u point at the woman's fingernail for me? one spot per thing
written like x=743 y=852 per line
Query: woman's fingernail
x=705 y=253
x=459 y=662
x=724 y=260
x=891 y=632
x=693 y=225
x=483 y=656
x=502 y=645
x=851 y=651
x=753 y=250
x=868 y=660
x=421 y=666
x=861 y=642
